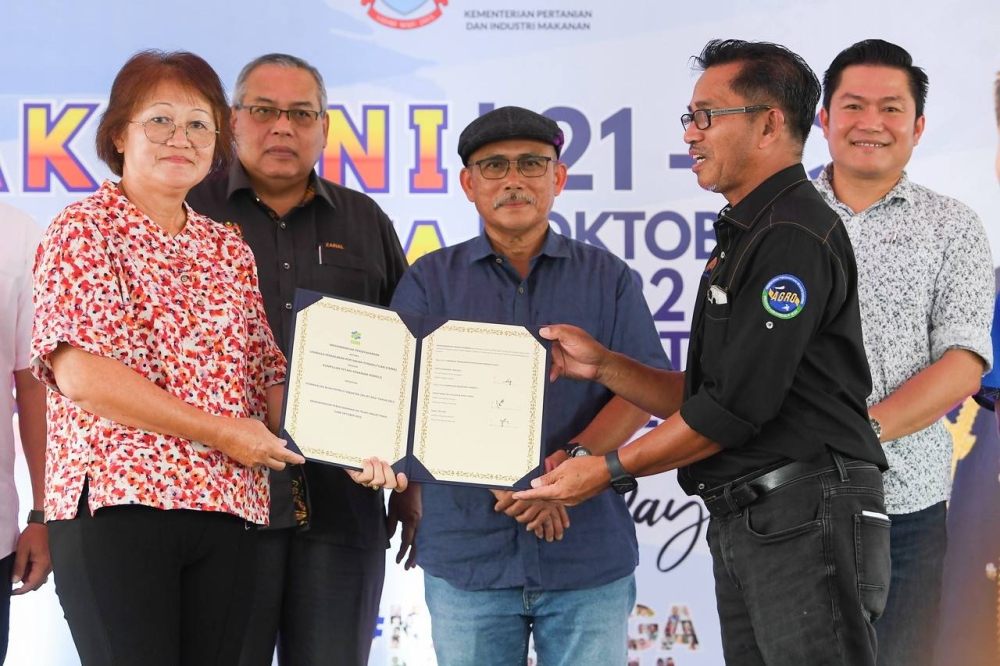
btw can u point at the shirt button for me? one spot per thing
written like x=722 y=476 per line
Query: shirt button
x=287 y=265
x=701 y=486
x=856 y=219
x=282 y=224
x=288 y=306
x=499 y=260
x=520 y=290
x=185 y=278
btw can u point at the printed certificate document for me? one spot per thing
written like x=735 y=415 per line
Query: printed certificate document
x=349 y=384
x=445 y=401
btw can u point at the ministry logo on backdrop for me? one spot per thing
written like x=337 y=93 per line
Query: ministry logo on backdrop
x=401 y=12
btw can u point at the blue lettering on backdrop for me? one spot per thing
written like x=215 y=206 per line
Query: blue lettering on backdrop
x=667 y=235
x=682 y=227
x=701 y=231
x=576 y=145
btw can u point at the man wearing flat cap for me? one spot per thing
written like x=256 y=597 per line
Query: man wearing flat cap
x=498 y=570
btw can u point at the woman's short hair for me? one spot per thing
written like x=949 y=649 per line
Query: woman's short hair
x=139 y=77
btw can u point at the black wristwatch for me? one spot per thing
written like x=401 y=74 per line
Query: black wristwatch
x=621 y=481
x=574 y=450
x=36 y=516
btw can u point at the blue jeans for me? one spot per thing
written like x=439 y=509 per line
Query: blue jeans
x=491 y=627
x=802 y=573
x=907 y=629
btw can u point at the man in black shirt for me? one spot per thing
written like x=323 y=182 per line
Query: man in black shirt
x=768 y=422
x=322 y=560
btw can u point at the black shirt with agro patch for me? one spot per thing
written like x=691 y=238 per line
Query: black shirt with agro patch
x=776 y=366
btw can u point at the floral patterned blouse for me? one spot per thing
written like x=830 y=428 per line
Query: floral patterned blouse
x=186 y=313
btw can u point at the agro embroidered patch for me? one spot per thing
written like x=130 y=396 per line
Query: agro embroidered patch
x=784 y=296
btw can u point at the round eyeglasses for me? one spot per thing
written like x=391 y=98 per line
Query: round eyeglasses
x=530 y=166
x=159 y=129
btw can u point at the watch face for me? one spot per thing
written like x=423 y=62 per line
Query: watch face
x=578 y=451
x=624 y=485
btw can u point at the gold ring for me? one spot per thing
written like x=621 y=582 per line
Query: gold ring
x=375 y=487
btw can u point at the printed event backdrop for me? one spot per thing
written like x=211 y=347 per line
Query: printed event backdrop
x=404 y=78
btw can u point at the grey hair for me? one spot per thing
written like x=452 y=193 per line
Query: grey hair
x=281 y=60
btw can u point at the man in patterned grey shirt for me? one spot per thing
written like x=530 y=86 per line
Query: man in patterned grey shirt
x=925 y=276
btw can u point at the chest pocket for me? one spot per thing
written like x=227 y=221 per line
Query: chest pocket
x=346 y=275
x=715 y=334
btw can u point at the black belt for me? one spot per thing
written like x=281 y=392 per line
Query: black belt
x=731 y=497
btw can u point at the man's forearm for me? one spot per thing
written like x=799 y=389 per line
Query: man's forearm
x=613 y=426
x=657 y=392
x=30 y=397
x=928 y=395
x=670 y=445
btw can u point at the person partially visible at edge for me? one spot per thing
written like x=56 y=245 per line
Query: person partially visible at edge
x=990 y=385
x=499 y=570
x=322 y=559
x=163 y=378
x=768 y=422
x=24 y=553
x=924 y=262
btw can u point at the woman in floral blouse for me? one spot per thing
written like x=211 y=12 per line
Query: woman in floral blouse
x=151 y=335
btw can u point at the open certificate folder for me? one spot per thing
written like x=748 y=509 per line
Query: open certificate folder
x=444 y=401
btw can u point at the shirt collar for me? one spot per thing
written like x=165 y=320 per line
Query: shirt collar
x=111 y=195
x=903 y=189
x=239 y=180
x=746 y=212
x=554 y=246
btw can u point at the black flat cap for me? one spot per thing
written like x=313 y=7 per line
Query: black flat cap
x=508 y=122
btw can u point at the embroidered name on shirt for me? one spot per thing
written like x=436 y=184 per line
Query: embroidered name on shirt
x=320 y=251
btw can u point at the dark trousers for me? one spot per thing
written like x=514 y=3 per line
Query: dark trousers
x=318 y=601
x=143 y=586
x=6 y=568
x=908 y=628
x=802 y=573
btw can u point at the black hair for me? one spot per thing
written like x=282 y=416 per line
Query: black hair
x=880 y=53
x=770 y=74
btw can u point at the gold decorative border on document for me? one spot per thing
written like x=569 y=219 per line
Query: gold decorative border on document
x=425 y=404
x=299 y=369
x=405 y=382
x=532 y=456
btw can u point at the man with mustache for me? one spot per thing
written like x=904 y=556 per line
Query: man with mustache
x=322 y=560
x=768 y=422
x=925 y=269
x=496 y=569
